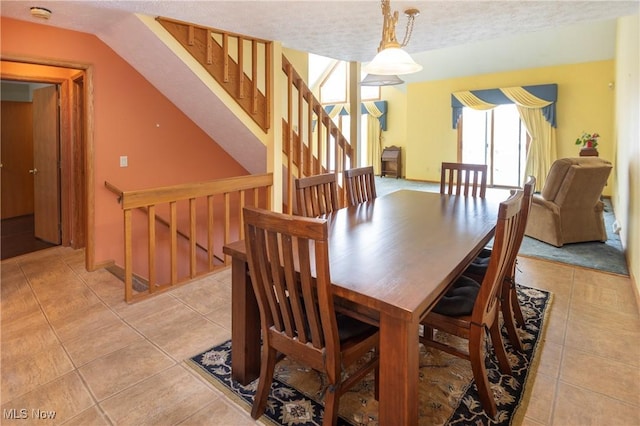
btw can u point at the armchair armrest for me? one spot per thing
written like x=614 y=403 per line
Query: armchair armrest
x=541 y=202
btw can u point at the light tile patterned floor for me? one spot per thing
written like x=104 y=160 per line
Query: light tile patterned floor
x=71 y=345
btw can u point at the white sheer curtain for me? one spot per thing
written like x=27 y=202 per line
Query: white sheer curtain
x=542 y=147
x=374 y=138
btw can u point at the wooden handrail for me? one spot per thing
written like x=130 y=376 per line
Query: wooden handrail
x=159 y=219
x=114 y=189
x=309 y=149
x=179 y=201
x=221 y=53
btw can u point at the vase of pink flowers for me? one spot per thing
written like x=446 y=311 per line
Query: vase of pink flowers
x=589 y=142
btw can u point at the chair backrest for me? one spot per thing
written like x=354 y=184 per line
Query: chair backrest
x=583 y=185
x=576 y=183
x=463 y=177
x=317 y=195
x=505 y=248
x=288 y=259
x=528 y=190
x=360 y=185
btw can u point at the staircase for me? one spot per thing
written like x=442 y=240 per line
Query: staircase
x=242 y=65
x=222 y=54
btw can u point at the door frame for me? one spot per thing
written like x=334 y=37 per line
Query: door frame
x=76 y=144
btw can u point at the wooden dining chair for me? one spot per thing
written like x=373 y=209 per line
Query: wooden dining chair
x=464 y=178
x=288 y=259
x=469 y=308
x=360 y=185
x=317 y=195
x=510 y=307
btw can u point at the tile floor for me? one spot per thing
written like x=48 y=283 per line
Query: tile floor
x=70 y=345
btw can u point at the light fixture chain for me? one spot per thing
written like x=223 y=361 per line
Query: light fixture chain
x=408 y=31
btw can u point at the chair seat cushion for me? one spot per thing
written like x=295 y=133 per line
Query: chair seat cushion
x=459 y=299
x=350 y=328
x=480 y=263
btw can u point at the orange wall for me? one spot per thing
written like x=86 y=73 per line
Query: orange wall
x=131 y=118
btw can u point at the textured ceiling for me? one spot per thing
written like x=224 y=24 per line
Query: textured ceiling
x=347 y=30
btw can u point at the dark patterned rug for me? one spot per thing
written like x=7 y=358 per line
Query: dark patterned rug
x=447 y=393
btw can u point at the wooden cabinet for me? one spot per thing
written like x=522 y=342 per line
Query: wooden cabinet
x=589 y=152
x=391 y=162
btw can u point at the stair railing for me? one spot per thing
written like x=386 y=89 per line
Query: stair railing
x=244 y=74
x=203 y=214
x=312 y=142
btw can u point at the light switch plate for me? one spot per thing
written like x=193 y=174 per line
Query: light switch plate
x=124 y=161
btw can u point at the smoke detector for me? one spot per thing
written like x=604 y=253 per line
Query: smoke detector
x=40 y=12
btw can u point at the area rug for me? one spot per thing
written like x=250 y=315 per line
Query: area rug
x=605 y=256
x=447 y=393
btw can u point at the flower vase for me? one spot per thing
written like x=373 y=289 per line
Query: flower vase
x=588 y=150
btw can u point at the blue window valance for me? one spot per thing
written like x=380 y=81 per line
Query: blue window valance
x=541 y=96
x=344 y=110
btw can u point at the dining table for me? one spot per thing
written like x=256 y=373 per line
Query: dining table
x=391 y=259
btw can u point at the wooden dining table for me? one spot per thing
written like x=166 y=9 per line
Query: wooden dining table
x=390 y=259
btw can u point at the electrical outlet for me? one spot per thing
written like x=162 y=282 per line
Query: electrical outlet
x=616 y=227
x=124 y=161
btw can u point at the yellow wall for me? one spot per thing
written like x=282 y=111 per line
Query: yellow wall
x=396 y=133
x=585 y=103
x=300 y=61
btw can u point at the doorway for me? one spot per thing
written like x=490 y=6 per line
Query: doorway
x=59 y=200
x=30 y=158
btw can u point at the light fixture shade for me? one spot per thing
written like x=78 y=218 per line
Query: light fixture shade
x=392 y=61
x=381 y=80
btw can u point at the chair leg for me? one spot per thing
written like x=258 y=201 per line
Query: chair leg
x=427 y=332
x=513 y=296
x=331 y=401
x=476 y=356
x=515 y=304
x=376 y=384
x=498 y=347
x=506 y=306
x=267 y=367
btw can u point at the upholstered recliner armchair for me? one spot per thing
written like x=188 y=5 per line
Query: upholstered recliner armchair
x=569 y=210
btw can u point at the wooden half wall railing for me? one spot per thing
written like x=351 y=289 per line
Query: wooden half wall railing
x=312 y=142
x=202 y=217
x=244 y=73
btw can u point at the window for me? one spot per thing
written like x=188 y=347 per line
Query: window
x=334 y=89
x=331 y=77
x=498 y=139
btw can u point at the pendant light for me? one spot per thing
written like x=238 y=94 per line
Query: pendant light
x=391 y=58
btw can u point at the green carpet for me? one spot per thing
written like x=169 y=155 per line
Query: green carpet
x=607 y=256
x=447 y=394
